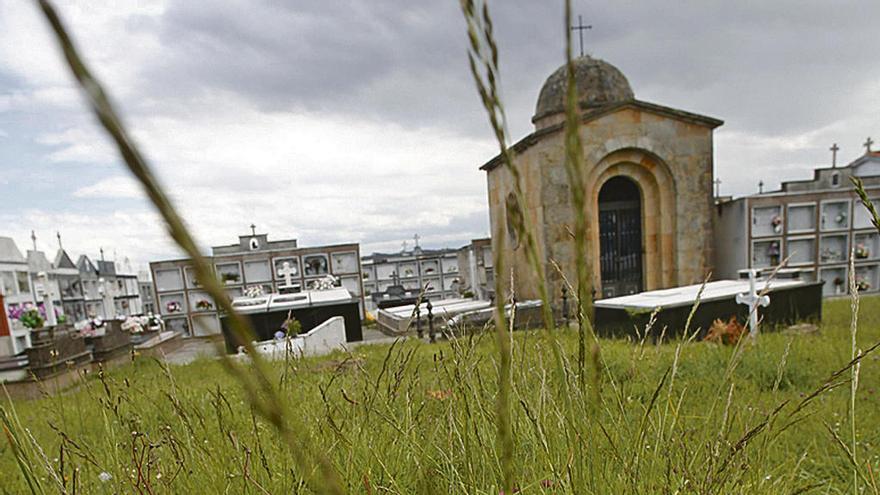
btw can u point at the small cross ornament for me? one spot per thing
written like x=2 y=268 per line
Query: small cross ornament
x=580 y=28
x=867 y=145
x=834 y=149
x=753 y=301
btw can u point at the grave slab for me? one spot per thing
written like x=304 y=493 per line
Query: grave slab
x=791 y=301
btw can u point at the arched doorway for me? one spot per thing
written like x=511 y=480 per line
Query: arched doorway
x=620 y=237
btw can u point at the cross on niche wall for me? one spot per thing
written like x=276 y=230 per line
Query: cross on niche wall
x=287 y=271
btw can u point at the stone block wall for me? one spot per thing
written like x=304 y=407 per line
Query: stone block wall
x=671 y=161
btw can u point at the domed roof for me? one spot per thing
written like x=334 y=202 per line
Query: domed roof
x=598 y=83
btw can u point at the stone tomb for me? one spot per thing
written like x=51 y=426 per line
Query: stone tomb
x=791 y=301
x=452 y=315
x=647 y=176
x=110 y=342
x=268 y=313
x=55 y=350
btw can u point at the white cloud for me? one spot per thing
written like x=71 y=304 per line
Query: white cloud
x=323 y=179
x=3 y=134
x=112 y=187
x=81 y=141
x=102 y=30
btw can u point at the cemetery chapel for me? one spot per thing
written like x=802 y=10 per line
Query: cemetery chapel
x=648 y=189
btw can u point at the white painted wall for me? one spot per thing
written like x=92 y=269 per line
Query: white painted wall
x=323 y=339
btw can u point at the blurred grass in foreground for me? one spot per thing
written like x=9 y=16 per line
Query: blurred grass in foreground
x=417 y=418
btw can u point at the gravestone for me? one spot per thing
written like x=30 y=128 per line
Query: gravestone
x=55 y=350
x=753 y=300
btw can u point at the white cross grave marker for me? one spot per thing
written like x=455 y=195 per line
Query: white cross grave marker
x=287 y=271
x=753 y=301
x=48 y=305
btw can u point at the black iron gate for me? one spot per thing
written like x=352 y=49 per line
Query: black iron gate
x=620 y=242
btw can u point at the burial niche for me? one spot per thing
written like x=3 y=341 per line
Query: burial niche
x=620 y=237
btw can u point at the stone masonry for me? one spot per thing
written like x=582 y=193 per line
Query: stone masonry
x=666 y=152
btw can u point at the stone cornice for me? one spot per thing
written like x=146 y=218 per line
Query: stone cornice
x=596 y=113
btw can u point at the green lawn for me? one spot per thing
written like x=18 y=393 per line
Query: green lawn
x=420 y=418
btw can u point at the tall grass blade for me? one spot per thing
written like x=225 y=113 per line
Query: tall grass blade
x=574 y=165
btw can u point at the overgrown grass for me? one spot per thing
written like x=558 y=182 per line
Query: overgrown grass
x=418 y=418
x=679 y=417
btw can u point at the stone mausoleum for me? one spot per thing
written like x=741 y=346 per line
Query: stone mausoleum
x=648 y=182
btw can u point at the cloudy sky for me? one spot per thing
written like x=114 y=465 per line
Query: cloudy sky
x=357 y=120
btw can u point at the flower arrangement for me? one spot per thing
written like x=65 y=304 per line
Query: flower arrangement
x=862 y=284
x=840 y=218
x=776 y=222
x=828 y=254
x=291 y=326
x=90 y=328
x=862 y=251
x=173 y=307
x=253 y=291
x=773 y=252
x=134 y=324
x=725 y=332
x=204 y=305
x=33 y=317
x=325 y=283
x=229 y=277
x=154 y=322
